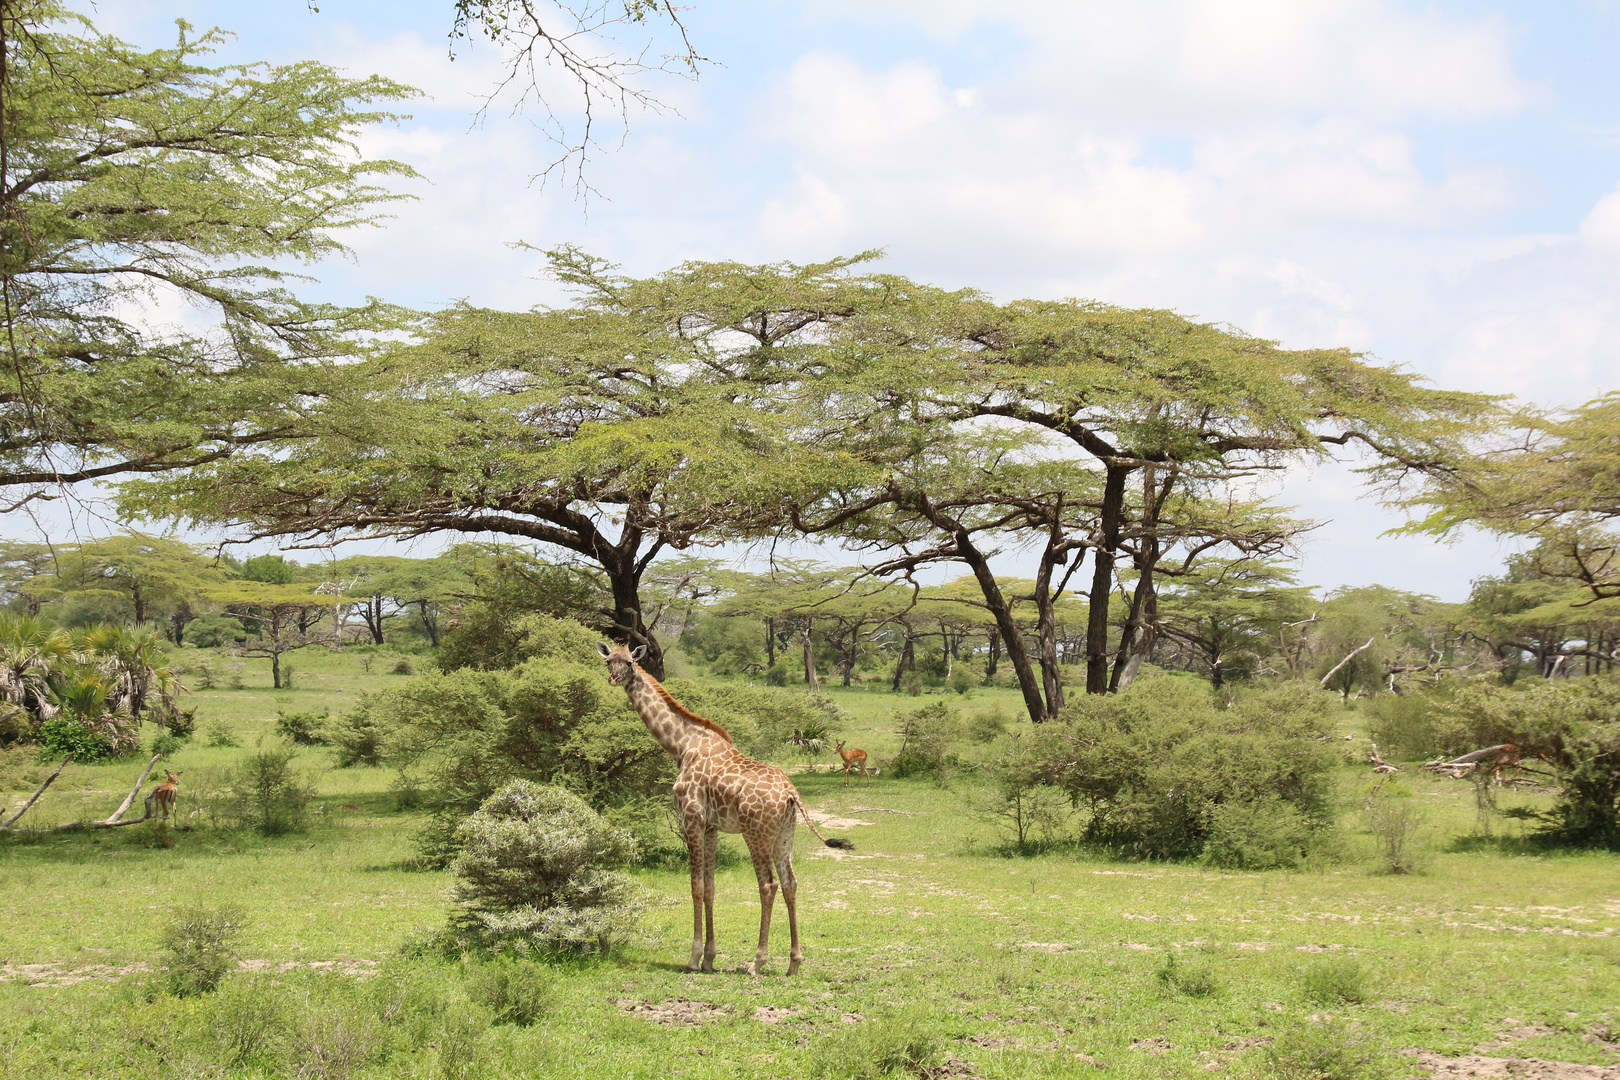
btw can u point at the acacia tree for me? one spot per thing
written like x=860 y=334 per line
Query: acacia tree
x=1226 y=612
x=1136 y=390
x=128 y=176
x=960 y=496
x=644 y=418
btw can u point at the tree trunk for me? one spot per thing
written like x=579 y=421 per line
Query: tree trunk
x=811 y=679
x=908 y=658
x=1017 y=655
x=770 y=643
x=1102 y=579
x=429 y=623
x=140 y=603
x=628 y=625
x=995 y=655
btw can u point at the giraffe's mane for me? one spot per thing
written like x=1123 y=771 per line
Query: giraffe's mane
x=681 y=710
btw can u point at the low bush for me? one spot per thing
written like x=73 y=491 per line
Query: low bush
x=1322 y=1051
x=1159 y=765
x=1575 y=725
x=219 y=735
x=358 y=736
x=1335 y=981
x=165 y=745
x=199 y=948
x=900 y=1045
x=303 y=728
x=68 y=736
x=402 y=666
x=1415 y=726
x=1195 y=978
x=988 y=725
x=927 y=741
x=515 y=990
x=1263 y=834
x=1396 y=822
x=267 y=794
x=535 y=876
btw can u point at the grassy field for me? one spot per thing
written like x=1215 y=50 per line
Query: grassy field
x=923 y=945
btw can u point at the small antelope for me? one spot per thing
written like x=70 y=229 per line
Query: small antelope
x=853 y=759
x=164 y=795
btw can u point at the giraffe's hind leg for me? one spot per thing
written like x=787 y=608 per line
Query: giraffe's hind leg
x=790 y=894
x=761 y=851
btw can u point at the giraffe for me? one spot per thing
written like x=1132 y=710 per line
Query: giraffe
x=718 y=789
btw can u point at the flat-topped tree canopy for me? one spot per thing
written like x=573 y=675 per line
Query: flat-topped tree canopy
x=1138 y=391
x=134 y=176
x=647 y=416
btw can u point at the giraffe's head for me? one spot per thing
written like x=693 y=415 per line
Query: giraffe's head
x=620 y=659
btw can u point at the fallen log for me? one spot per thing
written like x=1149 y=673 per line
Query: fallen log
x=14 y=818
x=1379 y=764
x=129 y=799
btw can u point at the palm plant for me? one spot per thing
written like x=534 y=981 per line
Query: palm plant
x=133 y=661
x=88 y=697
x=32 y=654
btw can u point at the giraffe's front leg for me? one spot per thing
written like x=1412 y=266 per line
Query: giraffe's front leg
x=695 y=849
x=711 y=859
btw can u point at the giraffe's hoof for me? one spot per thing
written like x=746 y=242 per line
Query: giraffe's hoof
x=793 y=967
x=708 y=965
x=751 y=968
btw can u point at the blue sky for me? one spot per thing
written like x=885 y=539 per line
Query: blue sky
x=1436 y=184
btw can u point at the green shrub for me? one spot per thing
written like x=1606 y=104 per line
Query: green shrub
x=70 y=737
x=166 y=746
x=303 y=728
x=1335 y=981
x=1195 y=979
x=357 y=735
x=267 y=794
x=200 y=948
x=962 y=681
x=776 y=675
x=534 y=875
x=402 y=666
x=219 y=735
x=1575 y=725
x=515 y=990
x=1151 y=766
x=1265 y=834
x=927 y=738
x=1416 y=726
x=214 y=632
x=988 y=725
x=248 y=1021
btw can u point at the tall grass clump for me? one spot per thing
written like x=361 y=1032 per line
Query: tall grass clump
x=1325 y=1051
x=896 y=1045
x=1396 y=823
x=1335 y=981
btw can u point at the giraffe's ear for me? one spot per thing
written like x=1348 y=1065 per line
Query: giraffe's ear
x=640 y=651
x=601 y=647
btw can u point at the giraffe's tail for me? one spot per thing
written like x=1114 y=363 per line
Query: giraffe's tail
x=835 y=842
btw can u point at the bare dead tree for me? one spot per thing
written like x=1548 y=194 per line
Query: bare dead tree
x=585 y=40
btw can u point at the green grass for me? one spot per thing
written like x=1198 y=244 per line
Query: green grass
x=923 y=945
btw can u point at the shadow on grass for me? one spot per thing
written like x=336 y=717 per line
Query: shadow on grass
x=1539 y=846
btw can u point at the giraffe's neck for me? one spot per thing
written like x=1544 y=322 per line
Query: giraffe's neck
x=674 y=733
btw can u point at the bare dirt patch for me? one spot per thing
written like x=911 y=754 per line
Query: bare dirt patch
x=771 y=1014
x=674 y=1011
x=1156 y=1045
x=60 y=974
x=833 y=821
x=1478 y=1066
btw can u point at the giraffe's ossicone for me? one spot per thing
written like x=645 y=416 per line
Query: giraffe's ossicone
x=719 y=789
